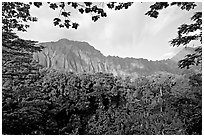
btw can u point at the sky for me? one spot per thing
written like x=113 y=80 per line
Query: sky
x=125 y=33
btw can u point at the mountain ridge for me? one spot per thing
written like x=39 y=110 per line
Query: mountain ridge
x=76 y=56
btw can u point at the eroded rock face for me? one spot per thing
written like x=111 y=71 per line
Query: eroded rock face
x=71 y=56
x=75 y=56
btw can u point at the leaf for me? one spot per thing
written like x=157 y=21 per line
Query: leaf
x=81 y=11
x=56 y=21
x=153 y=14
x=66 y=23
x=111 y=5
x=75 y=25
x=61 y=25
x=103 y=14
x=95 y=18
x=196 y=16
x=74 y=4
x=65 y=14
x=88 y=3
x=62 y=5
x=87 y=10
x=37 y=4
x=53 y=6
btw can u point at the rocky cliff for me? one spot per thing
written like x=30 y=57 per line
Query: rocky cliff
x=75 y=56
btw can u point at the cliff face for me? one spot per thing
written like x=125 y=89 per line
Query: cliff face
x=70 y=56
x=75 y=56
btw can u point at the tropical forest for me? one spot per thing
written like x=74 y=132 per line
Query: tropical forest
x=68 y=87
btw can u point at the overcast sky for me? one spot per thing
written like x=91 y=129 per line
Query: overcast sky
x=124 y=33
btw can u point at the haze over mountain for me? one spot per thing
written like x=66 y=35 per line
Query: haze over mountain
x=76 y=56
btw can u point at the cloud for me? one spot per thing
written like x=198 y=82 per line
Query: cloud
x=172 y=52
x=165 y=18
x=168 y=55
x=124 y=33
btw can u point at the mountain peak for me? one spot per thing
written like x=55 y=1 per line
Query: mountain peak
x=63 y=40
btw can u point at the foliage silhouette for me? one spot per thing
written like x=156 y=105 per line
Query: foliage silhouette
x=186 y=32
x=16 y=14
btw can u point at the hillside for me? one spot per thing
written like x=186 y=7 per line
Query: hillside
x=180 y=55
x=75 y=56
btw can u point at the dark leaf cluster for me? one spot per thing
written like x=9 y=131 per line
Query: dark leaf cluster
x=185 y=5
x=15 y=15
x=119 y=6
x=153 y=12
x=94 y=9
x=192 y=59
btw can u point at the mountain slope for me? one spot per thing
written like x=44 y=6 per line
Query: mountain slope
x=75 y=56
x=180 y=55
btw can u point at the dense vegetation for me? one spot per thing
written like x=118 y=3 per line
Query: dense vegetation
x=68 y=103
x=37 y=101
